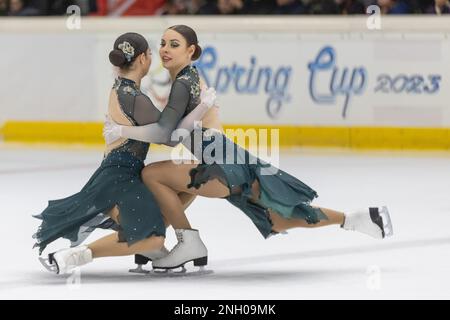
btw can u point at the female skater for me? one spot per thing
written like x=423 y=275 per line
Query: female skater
x=274 y=202
x=115 y=196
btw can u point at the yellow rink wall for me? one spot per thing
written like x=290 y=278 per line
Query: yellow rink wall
x=289 y=136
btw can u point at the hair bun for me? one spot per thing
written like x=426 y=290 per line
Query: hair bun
x=117 y=58
x=197 y=52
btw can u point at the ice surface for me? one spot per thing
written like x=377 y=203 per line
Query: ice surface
x=324 y=263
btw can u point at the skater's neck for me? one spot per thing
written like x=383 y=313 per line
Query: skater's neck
x=175 y=71
x=132 y=75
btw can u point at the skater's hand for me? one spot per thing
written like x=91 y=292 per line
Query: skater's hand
x=111 y=130
x=208 y=97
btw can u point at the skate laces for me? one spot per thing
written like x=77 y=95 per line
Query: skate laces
x=179 y=242
x=180 y=237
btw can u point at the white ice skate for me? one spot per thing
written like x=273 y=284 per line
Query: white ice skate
x=65 y=260
x=375 y=222
x=189 y=248
x=143 y=258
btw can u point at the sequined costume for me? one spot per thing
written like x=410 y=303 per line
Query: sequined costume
x=238 y=169
x=117 y=181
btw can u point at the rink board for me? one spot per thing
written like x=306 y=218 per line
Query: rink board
x=320 y=81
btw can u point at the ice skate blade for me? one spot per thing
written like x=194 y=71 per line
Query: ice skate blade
x=198 y=262
x=387 y=223
x=169 y=273
x=47 y=265
x=139 y=270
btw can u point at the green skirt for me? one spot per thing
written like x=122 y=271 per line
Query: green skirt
x=280 y=191
x=116 y=182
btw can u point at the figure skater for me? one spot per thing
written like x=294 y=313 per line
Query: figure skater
x=115 y=196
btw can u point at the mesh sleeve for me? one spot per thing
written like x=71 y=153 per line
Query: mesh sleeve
x=160 y=131
x=145 y=111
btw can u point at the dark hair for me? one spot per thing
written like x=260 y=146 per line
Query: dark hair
x=126 y=48
x=191 y=38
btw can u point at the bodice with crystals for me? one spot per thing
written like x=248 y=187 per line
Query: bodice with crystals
x=139 y=110
x=189 y=75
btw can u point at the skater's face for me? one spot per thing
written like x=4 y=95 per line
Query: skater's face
x=174 y=50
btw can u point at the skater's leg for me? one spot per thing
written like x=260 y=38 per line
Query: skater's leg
x=281 y=224
x=375 y=222
x=177 y=176
x=63 y=261
x=166 y=180
x=109 y=246
x=186 y=199
x=167 y=177
x=164 y=176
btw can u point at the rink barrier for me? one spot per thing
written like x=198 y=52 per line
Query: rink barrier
x=361 y=115
x=53 y=132
x=389 y=138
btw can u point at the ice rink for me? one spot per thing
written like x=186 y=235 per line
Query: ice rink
x=327 y=263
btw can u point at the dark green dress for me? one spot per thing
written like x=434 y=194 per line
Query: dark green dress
x=280 y=191
x=118 y=179
x=116 y=182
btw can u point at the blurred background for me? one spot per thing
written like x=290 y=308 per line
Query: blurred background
x=325 y=73
x=219 y=7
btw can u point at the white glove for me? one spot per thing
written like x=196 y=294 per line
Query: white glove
x=208 y=97
x=111 y=130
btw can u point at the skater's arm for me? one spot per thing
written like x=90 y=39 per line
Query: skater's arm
x=192 y=120
x=160 y=131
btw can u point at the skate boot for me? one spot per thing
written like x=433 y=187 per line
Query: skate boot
x=189 y=248
x=375 y=222
x=65 y=260
x=144 y=258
